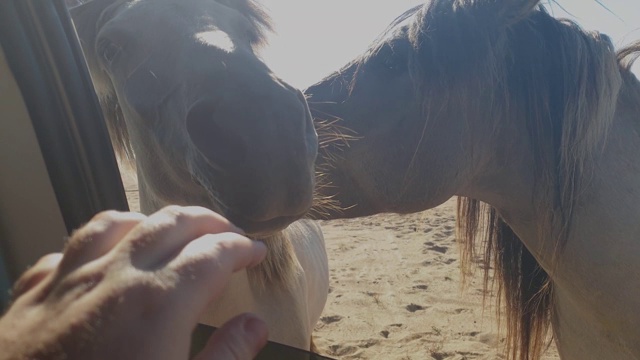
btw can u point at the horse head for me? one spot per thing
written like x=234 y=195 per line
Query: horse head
x=206 y=120
x=435 y=101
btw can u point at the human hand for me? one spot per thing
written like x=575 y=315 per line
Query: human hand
x=133 y=287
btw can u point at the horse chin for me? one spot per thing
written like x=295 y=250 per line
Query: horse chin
x=262 y=229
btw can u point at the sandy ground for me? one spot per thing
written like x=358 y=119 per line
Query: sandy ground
x=396 y=291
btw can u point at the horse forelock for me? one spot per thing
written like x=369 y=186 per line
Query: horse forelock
x=260 y=21
x=563 y=83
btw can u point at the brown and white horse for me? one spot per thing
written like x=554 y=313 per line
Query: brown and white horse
x=535 y=124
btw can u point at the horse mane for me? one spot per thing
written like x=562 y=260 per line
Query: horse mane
x=563 y=82
x=280 y=266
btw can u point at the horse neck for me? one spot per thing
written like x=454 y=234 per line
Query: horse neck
x=593 y=316
x=604 y=223
x=505 y=179
x=509 y=182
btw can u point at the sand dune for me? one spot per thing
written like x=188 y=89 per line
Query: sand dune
x=396 y=291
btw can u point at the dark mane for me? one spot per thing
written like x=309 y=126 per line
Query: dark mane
x=563 y=82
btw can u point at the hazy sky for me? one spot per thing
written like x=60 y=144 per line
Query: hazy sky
x=316 y=37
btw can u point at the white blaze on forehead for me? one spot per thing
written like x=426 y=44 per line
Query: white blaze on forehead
x=216 y=38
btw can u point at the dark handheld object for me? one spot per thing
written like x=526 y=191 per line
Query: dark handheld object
x=272 y=351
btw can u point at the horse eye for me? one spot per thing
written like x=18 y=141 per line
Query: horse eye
x=108 y=51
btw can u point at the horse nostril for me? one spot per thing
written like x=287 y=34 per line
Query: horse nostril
x=216 y=140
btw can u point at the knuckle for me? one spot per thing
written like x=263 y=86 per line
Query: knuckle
x=207 y=260
x=215 y=249
x=207 y=255
x=185 y=214
x=102 y=223
x=224 y=244
x=29 y=276
x=172 y=209
x=229 y=244
x=91 y=232
x=108 y=215
x=113 y=217
x=42 y=268
x=176 y=214
x=49 y=260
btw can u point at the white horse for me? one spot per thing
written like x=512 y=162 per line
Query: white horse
x=535 y=123
x=208 y=124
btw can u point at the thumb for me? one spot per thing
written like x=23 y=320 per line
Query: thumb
x=240 y=338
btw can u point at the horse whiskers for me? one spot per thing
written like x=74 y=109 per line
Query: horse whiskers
x=324 y=205
x=331 y=137
x=331 y=133
x=321 y=202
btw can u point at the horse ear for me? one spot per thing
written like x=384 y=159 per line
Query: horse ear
x=512 y=11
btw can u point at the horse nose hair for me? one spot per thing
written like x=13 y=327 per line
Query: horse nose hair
x=221 y=145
